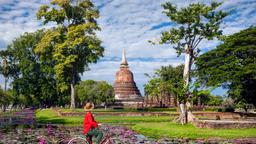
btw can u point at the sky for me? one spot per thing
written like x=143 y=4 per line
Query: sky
x=128 y=24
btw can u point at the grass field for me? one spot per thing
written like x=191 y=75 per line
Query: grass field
x=123 y=110
x=50 y=116
x=173 y=130
x=151 y=126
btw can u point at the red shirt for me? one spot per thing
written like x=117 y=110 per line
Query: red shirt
x=89 y=122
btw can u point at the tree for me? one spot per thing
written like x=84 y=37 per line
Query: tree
x=5 y=98
x=32 y=79
x=5 y=71
x=85 y=91
x=196 y=22
x=232 y=66
x=206 y=98
x=167 y=79
x=105 y=93
x=152 y=88
x=97 y=92
x=72 y=42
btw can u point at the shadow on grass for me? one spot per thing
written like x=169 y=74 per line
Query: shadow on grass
x=57 y=120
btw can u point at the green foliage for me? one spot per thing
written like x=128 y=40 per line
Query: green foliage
x=33 y=80
x=206 y=98
x=95 y=91
x=167 y=79
x=215 y=100
x=229 y=105
x=174 y=130
x=192 y=24
x=72 y=43
x=6 y=98
x=232 y=65
x=105 y=92
x=196 y=22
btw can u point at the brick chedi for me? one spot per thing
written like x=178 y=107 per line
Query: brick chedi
x=126 y=91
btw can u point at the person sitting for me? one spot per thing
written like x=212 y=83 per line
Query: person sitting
x=90 y=125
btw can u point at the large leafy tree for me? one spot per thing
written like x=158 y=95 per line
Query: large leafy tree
x=5 y=98
x=232 y=65
x=5 y=70
x=85 y=91
x=167 y=79
x=32 y=79
x=72 y=42
x=152 y=88
x=94 y=91
x=204 y=97
x=105 y=93
x=193 y=24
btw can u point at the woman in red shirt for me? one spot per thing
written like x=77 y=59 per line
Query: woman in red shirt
x=90 y=125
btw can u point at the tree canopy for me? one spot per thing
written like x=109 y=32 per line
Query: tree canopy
x=97 y=92
x=166 y=79
x=232 y=65
x=32 y=79
x=193 y=23
x=72 y=42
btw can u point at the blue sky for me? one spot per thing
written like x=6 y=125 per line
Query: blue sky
x=126 y=24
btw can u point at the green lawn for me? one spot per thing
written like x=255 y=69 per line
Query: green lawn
x=152 y=126
x=123 y=110
x=50 y=116
x=173 y=130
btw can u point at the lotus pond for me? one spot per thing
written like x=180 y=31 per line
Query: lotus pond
x=47 y=126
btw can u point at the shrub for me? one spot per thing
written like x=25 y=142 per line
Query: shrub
x=229 y=109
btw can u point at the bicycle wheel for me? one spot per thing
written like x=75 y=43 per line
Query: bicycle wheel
x=111 y=141
x=116 y=141
x=78 y=140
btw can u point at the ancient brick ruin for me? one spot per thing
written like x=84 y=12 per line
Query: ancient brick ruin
x=126 y=92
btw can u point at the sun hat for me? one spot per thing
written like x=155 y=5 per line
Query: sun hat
x=89 y=106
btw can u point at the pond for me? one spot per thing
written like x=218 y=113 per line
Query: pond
x=21 y=127
x=62 y=134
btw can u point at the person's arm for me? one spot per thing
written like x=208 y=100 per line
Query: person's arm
x=91 y=120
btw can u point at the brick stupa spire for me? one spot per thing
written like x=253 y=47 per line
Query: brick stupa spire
x=124 y=86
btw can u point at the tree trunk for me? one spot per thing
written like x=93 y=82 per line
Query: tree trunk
x=5 y=88
x=5 y=83
x=183 y=114
x=184 y=106
x=199 y=102
x=72 y=96
x=105 y=105
x=72 y=86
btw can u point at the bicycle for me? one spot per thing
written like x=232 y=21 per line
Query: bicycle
x=85 y=139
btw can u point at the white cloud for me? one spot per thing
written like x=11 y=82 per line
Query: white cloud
x=125 y=24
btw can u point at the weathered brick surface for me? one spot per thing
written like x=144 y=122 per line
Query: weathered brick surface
x=126 y=92
x=217 y=124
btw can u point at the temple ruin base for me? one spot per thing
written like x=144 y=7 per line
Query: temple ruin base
x=129 y=103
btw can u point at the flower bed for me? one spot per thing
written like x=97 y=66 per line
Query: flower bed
x=23 y=117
